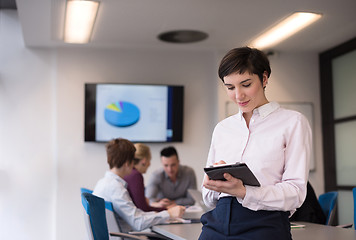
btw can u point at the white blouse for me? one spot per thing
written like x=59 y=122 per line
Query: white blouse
x=276 y=147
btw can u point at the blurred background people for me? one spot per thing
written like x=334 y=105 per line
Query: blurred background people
x=112 y=187
x=169 y=185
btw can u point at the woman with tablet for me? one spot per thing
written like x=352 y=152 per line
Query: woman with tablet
x=274 y=143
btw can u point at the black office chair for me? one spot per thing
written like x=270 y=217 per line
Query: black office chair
x=310 y=211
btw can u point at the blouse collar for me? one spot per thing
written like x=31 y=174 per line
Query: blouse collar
x=263 y=111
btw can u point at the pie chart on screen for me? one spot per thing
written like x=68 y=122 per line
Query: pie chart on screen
x=121 y=114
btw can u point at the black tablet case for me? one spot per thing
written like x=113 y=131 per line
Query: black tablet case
x=238 y=170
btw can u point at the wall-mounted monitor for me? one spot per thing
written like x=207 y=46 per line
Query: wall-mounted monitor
x=137 y=112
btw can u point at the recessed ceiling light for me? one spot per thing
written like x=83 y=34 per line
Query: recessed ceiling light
x=183 y=36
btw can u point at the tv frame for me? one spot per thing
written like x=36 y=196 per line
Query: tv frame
x=175 y=113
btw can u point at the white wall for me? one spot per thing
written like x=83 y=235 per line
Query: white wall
x=43 y=158
x=27 y=178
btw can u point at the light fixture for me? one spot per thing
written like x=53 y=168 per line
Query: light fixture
x=79 y=20
x=285 y=29
x=183 y=36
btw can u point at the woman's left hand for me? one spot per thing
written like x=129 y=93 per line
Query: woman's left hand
x=232 y=186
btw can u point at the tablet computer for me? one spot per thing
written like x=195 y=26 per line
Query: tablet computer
x=238 y=170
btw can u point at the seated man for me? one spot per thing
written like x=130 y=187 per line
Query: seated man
x=120 y=155
x=169 y=186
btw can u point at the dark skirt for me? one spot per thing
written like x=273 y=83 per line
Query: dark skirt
x=231 y=221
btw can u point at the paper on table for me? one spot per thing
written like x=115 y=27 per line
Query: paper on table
x=294 y=225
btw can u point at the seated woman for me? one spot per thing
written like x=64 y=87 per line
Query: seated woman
x=135 y=182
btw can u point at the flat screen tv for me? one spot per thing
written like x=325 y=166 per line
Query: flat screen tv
x=137 y=112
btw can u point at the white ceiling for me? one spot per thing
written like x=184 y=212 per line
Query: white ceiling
x=229 y=23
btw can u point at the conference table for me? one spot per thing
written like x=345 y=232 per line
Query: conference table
x=191 y=231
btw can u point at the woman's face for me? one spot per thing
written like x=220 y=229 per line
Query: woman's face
x=246 y=90
x=144 y=164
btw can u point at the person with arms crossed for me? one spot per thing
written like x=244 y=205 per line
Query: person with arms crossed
x=135 y=181
x=274 y=142
x=169 y=186
x=120 y=155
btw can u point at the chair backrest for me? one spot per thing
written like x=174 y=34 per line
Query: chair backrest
x=112 y=223
x=327 y=202
x=354 y=194
x=95 y=208
x=87 y=225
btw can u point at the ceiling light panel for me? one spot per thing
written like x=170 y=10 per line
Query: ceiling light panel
x=286 y=28
x=79 y=20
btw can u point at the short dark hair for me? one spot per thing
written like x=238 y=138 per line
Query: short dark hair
x=119 y=151
x=169 y=151
x=240 y=60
